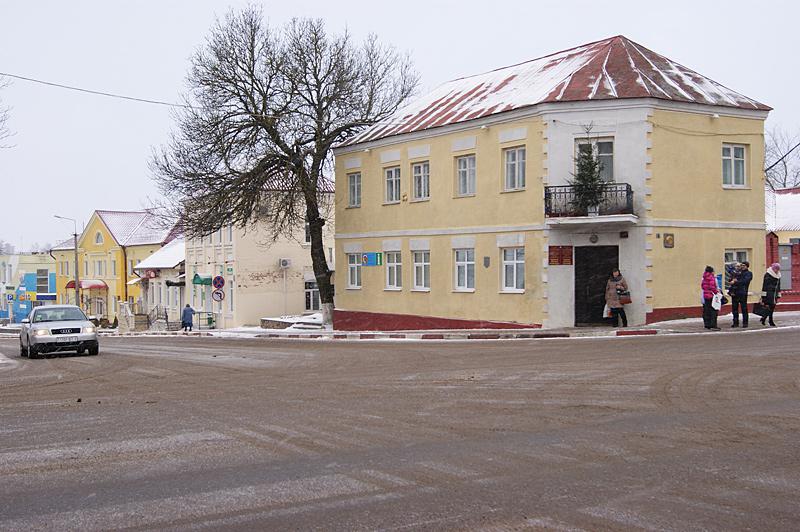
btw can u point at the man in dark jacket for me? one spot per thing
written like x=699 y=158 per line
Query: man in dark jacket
x=740 y=284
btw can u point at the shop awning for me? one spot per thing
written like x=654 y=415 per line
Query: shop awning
x=134 y=281
x=201 y=279
x=89 y=284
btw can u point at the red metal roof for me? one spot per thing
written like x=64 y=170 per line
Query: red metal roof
x=89 y=284
x=613 y=68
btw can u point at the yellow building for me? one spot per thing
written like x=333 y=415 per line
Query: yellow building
x=458 y=210
x=110 y=246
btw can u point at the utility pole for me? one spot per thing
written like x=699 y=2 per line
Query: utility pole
x=75 y=244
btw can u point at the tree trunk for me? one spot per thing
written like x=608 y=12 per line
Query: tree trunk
x=320 y=263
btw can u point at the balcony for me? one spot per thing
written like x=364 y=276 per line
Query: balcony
x=616 y=206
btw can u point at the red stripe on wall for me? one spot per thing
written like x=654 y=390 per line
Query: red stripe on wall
x=353 y=320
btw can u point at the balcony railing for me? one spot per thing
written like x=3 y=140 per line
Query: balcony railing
x=559 y=201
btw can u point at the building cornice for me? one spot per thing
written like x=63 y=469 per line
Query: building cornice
x=554 y=108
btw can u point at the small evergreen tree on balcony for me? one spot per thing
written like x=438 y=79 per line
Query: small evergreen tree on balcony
x=587 y=183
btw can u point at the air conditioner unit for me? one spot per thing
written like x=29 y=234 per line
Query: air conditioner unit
x=284 y=263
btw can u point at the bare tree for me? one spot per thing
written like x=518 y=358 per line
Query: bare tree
x=4 y=116
x=264 y=109
x=782 y=159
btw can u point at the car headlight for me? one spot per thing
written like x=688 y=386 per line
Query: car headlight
x=40 y=332
x=88 y=329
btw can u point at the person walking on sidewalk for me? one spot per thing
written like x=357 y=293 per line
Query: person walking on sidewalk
x=740 y=284
x=710 y=289
x=187 y=318
x=614 y=286
x=771 y=292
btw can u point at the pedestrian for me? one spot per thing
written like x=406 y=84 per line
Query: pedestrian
x=615 y=286
x=187 y=317
x=771 y=292
x=740 y=284
x=710 y=289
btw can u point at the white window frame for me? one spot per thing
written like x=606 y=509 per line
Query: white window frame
x=392 y=184
x=421 y=180
x=354 y=190
x=312 y=296
x=422 y=270
x=466 y=175
x=512 y=277
x=393 y=261
x=731 y=159
x=736 y=255
x=354 y=271
x=462 y=262
x=596 y=153
x=514 y=169
x=98 y=238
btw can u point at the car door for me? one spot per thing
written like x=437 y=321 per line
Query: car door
x=25 y=331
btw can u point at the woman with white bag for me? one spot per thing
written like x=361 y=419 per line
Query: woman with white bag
x=712 y=299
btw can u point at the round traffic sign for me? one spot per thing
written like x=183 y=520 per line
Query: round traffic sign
x=218 y=282
x=217 y=295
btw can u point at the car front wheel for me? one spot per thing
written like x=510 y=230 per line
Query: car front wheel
x=94 y=349
x=33 y=351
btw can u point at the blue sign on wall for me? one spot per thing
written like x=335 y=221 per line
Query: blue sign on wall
x=372 y=259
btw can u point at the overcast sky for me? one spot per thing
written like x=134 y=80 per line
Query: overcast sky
x=73 y=153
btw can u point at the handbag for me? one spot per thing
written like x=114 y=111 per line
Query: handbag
x=760 y=309
x=625 y=298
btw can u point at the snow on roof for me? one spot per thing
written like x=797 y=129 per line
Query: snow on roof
x=69 y=243
x=613 y=68
x=170 y=256
x=787 y=210
x=135 y=228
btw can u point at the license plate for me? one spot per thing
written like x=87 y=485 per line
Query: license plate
x=67 y=339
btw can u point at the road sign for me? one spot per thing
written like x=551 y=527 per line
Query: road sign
x=218 y=282
x=218 y=295
x=10 y=297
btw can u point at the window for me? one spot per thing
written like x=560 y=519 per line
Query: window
x=100 y=268
x=422 y=270
x=230 y=234
x=515 y=168
x=513 y=269
x=312 y=296
x=42 y=281
x=394 y=270
x=86 y=268
x=218 y=236
x=465 y=269
x=130 y=268
x=465 y=175
x=307 y=238
x=422 y=181
x=354 y=186
x=733 y=174
x=114 y=267
x=230 y=297
x=98 y=238
x=603 y=151
x=353 y=270
x=66 y=268
x=393 y=185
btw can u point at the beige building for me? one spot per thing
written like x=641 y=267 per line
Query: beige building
x=262 y=278
x=458 y=211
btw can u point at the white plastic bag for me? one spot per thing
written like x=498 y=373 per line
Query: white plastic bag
x=606 y=311
x=716 y=301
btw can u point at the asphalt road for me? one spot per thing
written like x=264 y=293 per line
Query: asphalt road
x=656 y=433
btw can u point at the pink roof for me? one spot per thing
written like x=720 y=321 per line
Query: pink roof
x=613 y=68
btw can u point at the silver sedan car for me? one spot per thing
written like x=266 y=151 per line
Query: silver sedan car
x=56 y=328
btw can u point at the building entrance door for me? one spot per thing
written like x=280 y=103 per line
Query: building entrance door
x=785 y=260
x=593 y=267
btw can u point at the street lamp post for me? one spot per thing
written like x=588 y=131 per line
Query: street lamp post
x=75 y=244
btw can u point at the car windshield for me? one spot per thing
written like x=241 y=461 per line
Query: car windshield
x=58 y=314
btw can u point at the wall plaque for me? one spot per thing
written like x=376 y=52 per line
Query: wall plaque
x=560 y=255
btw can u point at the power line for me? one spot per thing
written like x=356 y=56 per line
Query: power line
x=99 y=93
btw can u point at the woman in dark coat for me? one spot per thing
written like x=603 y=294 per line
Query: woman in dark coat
x=771 y=292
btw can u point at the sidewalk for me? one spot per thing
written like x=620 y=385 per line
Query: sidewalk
x=686 y=326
